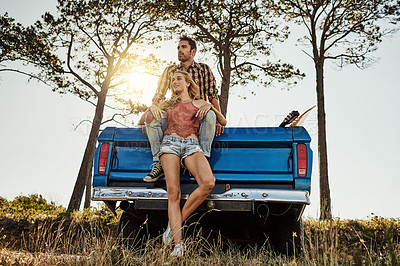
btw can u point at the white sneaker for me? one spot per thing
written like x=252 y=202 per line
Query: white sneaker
x=178 y=251
x=167 y=236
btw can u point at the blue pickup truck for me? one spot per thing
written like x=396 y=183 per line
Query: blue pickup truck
x=262 y=174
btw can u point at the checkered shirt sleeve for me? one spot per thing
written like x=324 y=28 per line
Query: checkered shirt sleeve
x=209 y=86
x=164 y=83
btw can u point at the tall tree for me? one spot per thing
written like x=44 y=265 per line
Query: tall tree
x=239 y=33
x=346 y=31
x=99 y=37
x=100 y=40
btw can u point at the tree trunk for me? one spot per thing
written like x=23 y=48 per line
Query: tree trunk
x=88 y=189
x=223 y=99
x=226 y=80
x=87 y=161
x=325 y=194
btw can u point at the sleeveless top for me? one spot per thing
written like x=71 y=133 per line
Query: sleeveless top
x=182 y=120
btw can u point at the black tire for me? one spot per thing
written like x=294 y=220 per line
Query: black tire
x=286 y=232
x=131 y=231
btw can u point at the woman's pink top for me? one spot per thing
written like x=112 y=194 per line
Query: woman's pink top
x=182 y=120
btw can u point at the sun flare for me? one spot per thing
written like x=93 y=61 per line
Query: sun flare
x=141 y=86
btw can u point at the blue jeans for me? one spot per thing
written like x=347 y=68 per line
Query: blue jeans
x=155 y=133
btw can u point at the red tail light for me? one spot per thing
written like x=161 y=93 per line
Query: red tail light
x=103 y=158
x=301 y=160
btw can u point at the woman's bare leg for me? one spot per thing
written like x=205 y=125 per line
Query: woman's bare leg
x=171 y=166
x=199 y=167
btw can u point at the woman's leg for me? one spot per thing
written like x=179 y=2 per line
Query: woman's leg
x=199 y=167
x=171 y=166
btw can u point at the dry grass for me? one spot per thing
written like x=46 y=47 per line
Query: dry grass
x=88 y=238
x=69 y=242
x=89 y=241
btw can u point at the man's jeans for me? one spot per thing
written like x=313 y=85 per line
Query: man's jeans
x=155 y=133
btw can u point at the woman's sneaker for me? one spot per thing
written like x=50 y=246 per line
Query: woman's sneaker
x=155 y=173
x=167 y=236
x=178 y=251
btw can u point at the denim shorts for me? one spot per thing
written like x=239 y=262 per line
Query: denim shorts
x=182 y=147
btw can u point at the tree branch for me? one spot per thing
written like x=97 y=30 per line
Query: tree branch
x=73 y=72
x=91 y=38
x=26 y=74
x=307 y=54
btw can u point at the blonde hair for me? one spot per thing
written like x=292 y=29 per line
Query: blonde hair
x=193 y=91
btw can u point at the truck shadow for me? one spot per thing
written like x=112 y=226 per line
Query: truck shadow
x=213 y=228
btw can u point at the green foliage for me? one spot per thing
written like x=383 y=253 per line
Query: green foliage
x=102 y=40
x=34 y=207
x=29 y=46
x=239 y=33
x=3 y=202
x=344 y=31
x=28 y=207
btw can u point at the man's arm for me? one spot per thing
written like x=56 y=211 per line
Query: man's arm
x=219 y=128
x=212 y=95
x=215 y=103
x=164 y=83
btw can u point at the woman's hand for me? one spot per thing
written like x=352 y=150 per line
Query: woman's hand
x=201 y=113
x=156 y=111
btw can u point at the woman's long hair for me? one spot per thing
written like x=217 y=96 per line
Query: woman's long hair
x=193 y=90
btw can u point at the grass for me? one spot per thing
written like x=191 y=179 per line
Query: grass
x=40 y=233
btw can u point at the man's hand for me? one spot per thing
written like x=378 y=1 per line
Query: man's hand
x=144 y=130
x=201 y=113
x=156 y=111
x=219 y=130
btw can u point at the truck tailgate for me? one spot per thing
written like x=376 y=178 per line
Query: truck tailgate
x=239 y=155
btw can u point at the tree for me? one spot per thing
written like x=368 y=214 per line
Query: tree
x=346 y=31
x=100 y=37
x=101 y=40
x=239 y=33
x=29 y=47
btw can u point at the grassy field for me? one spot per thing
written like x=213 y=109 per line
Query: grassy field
x=33 y=231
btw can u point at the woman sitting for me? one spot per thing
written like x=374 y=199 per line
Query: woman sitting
x=180 y=144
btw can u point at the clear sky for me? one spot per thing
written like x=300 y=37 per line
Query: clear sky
x=42 y=150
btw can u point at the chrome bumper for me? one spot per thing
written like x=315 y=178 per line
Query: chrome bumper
x=263 y=195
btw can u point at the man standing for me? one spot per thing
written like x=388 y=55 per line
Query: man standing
x=204 y=78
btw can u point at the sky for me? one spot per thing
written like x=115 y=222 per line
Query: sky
x=42 y=149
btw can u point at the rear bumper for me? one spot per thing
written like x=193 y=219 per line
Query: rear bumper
x=235 y=194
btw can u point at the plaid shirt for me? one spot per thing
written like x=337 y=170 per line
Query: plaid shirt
x=201 y=74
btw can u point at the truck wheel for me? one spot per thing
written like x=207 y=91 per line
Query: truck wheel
x=286 y=233
x=131 y=231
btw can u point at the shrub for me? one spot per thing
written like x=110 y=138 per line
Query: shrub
x=28 y=207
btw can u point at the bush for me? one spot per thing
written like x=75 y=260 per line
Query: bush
x=3 y=202
x=28 y=207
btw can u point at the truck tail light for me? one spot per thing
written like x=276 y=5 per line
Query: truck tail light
x=301 y=160
x=103 y=158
